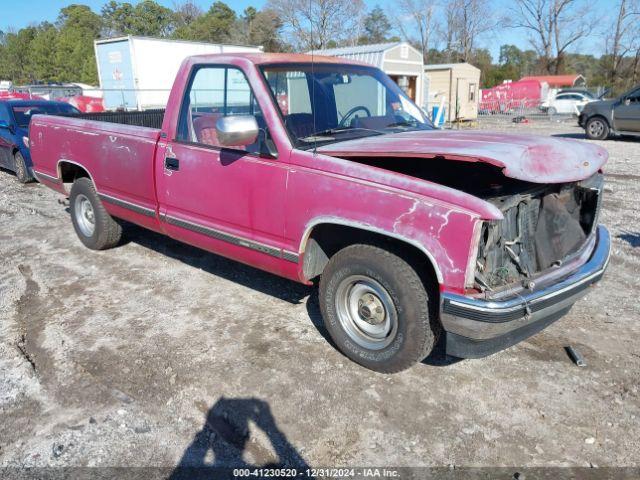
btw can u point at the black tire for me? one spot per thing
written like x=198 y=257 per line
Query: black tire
x=596 y=128
x=22 y=173
x=106 y=232
x=551 y=111
x=416 y=332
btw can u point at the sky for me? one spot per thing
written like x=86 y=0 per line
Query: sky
x=18 y=14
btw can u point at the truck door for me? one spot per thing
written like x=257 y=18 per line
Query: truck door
x=6 y=138
x=227 y=200
x=627 y=113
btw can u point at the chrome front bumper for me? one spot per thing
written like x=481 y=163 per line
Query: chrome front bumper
x=477 y=327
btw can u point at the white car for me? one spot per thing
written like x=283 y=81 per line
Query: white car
x=570 y=103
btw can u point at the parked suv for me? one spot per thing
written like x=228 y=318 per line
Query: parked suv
x=620 y=116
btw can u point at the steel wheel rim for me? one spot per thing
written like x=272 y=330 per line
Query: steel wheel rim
x=596 y=128
x=366 y=312
x=85 y=216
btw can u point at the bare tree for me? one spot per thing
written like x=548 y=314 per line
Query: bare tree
x=186 y=11
x=553 y=27
x=623 y=38
x=468 y=19
x=415 y=20
x=317 y=24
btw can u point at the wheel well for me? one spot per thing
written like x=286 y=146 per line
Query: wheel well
x=69 y=172
x=598 y=115
x=327 y=239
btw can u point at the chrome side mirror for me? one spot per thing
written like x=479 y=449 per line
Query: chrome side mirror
x=237 y=130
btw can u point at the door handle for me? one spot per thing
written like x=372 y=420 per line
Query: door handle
x=171 y=163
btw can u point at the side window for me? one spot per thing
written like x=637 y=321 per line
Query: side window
x=215 y=92
x=472 y=92
x=634 y=96
x=4 y=115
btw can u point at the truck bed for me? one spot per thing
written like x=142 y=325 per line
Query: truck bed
x=119 y=157
x=146 y=118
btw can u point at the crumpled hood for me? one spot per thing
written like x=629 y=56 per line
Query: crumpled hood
x=523 y=157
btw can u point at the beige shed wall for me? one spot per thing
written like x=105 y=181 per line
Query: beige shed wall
x=455 y=84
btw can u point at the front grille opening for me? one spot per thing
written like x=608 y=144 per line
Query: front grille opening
x=541 y=229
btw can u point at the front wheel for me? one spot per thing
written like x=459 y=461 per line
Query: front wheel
x=95 y=228
x=22 y=172
x=376 y=309
x=597 y=128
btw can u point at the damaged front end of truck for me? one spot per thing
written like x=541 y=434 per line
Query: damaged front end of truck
x=543 y=228
x=527 y=268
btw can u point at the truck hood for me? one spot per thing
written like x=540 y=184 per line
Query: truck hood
x=523 y=157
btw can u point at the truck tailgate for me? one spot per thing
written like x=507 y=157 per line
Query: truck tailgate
x=119 y=158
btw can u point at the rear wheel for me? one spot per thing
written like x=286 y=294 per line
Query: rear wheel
x=597 y=128
x=552 y=111
x=22 y=172
x=376 y=308
x=95 y=228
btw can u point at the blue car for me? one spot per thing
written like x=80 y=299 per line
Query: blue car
x=14 y=130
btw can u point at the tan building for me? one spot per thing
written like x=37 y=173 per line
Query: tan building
x=402 y=62
x=456 y=83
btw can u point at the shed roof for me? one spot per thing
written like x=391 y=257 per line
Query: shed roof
x=447 y=66
x=372 y=54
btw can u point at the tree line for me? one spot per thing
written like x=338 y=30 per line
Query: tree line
x=444 y=31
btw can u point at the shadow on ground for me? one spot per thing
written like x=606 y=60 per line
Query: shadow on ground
x=259 y=280
x=631 y=238
x=582 y=136
x=245 y=275
x=224 y=443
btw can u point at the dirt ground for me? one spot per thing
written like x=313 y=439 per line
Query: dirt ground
x=159 y=354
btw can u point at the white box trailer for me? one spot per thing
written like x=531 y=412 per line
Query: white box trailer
x=138 y=72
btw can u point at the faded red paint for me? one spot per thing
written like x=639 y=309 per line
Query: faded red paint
x=524 y=157
x=276 y=202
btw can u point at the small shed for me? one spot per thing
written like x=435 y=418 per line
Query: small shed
x=402 y=62
x=457 y=84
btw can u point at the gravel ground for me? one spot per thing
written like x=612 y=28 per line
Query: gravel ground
x=159 y=354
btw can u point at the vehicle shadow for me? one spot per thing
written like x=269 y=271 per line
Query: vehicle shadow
x=631 y=238
x=582 y=136
x=264 y=282
x=438 y=356
x=225 y=436
x=217 y=265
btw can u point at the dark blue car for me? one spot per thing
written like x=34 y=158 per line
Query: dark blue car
x=14 y=130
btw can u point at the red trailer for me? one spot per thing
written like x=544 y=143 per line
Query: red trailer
x=511 y=96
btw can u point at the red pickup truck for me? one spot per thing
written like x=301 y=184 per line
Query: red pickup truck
x=324 y=169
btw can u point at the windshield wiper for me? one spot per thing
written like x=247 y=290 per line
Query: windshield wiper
x=405 y=123
x=333 y=131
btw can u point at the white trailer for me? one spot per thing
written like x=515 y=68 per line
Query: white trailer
x=136 y=73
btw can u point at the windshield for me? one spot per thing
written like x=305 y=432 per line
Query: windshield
x=327 y=103
x=23 y=113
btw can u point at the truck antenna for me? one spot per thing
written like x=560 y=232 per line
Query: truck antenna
x=313 y=82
